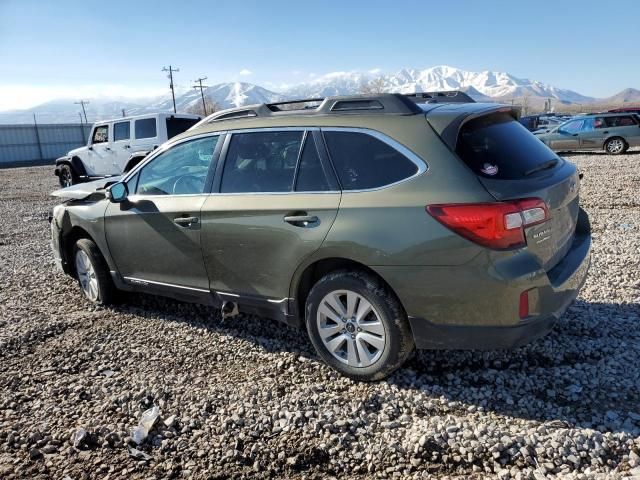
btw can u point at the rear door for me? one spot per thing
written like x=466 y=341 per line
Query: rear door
x=624 y=126
x=275 y=203
x=121 y=146
x=145 y=134
x=512 y=164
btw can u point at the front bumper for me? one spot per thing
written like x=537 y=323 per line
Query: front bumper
x=56 y=242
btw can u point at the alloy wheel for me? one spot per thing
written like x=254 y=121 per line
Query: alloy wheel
x=350 y=328
x=86 y=275
x=615 y=146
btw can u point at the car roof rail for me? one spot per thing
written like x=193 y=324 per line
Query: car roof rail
x=450 y=96
x=380 y=103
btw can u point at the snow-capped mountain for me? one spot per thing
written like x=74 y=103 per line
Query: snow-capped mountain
x=495 y=85
x=482 y=86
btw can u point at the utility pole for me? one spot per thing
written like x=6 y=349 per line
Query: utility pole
x=83 y=103
x=170 y=76
x=202 y=87
x=35 y=124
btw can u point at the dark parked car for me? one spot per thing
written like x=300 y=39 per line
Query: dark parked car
x=378 y=223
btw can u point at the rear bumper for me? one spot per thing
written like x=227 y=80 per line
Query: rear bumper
x=553 y=297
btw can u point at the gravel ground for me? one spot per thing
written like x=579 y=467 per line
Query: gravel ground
x=249 y=398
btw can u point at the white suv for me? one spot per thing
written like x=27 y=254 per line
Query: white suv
x=116 y=146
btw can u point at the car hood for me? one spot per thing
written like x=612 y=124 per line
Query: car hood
x=84 y=190
x=76 y=150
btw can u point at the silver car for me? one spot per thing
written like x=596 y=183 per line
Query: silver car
x=613 y=132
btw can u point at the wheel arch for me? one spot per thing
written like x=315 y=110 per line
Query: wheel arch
x=307 y=276
x=606 y=140
x=69 y=239
x=132 y=162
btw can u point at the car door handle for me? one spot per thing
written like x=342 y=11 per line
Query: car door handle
x=126 y=146
x=301 y=220
x=606 y=131
x=186 y=221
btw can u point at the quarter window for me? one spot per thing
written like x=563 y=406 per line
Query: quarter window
x=363 y=161
x=261 y=162
x=121 y=131
x=146 y=128
x=101 y=134
x=181 y=170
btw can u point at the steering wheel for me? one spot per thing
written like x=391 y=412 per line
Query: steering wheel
x=186 y=184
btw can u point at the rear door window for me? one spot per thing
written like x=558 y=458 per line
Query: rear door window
x=312 y=176
x=146 y=128
x=497 y=146
x=121 y=131
x=363 y=161
x=261 y=162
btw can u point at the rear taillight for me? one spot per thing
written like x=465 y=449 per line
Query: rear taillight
x=498 y=225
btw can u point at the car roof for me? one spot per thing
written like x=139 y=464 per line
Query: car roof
x=148 y=115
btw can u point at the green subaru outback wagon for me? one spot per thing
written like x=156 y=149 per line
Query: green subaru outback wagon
x=377 y=223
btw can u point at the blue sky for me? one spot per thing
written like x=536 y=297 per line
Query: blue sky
x=68 y=48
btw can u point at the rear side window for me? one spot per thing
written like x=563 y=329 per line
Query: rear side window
x=146 y=128
x=497 y=146
x=121 y=131
x=621 y=121
x=176 y=126
x=363 y=161
x=261 y=162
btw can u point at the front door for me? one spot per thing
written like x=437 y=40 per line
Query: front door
x=154 y=236
x=275 y=204
x=567 y=137
x=100 y=152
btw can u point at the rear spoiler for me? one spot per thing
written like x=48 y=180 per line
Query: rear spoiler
x=447 y=120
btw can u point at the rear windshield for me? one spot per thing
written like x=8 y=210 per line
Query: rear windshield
x=497 y=146
x=176 y=126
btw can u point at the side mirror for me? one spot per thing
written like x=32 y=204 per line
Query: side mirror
x=118 y=192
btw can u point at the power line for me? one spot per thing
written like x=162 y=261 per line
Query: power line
x=83 y=103
x=170 y=77
x=202 y=87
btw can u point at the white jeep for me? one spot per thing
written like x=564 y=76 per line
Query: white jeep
x=116 y=146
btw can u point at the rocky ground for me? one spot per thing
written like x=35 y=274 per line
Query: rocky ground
x=249 y=398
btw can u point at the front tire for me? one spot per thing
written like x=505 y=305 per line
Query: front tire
x=67 y=176
x=357 y=326
x=615 y=146
x=92 y=272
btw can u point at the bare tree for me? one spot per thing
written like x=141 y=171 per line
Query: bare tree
x=196 y=108
x=525 y=104
x=373 y=86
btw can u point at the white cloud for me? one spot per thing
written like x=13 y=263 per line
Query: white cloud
x=375 y=71
x=245 y=72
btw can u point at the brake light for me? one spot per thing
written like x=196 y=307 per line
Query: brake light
x=498 y=225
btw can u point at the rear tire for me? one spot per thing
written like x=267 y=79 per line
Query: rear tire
x=616 y=146
x=357 y=325
x=92 y=273
x=67 y=176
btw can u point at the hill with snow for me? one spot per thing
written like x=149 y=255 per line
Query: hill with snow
x=482 y=86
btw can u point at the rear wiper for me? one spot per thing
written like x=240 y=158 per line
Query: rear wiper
x=543 y=166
